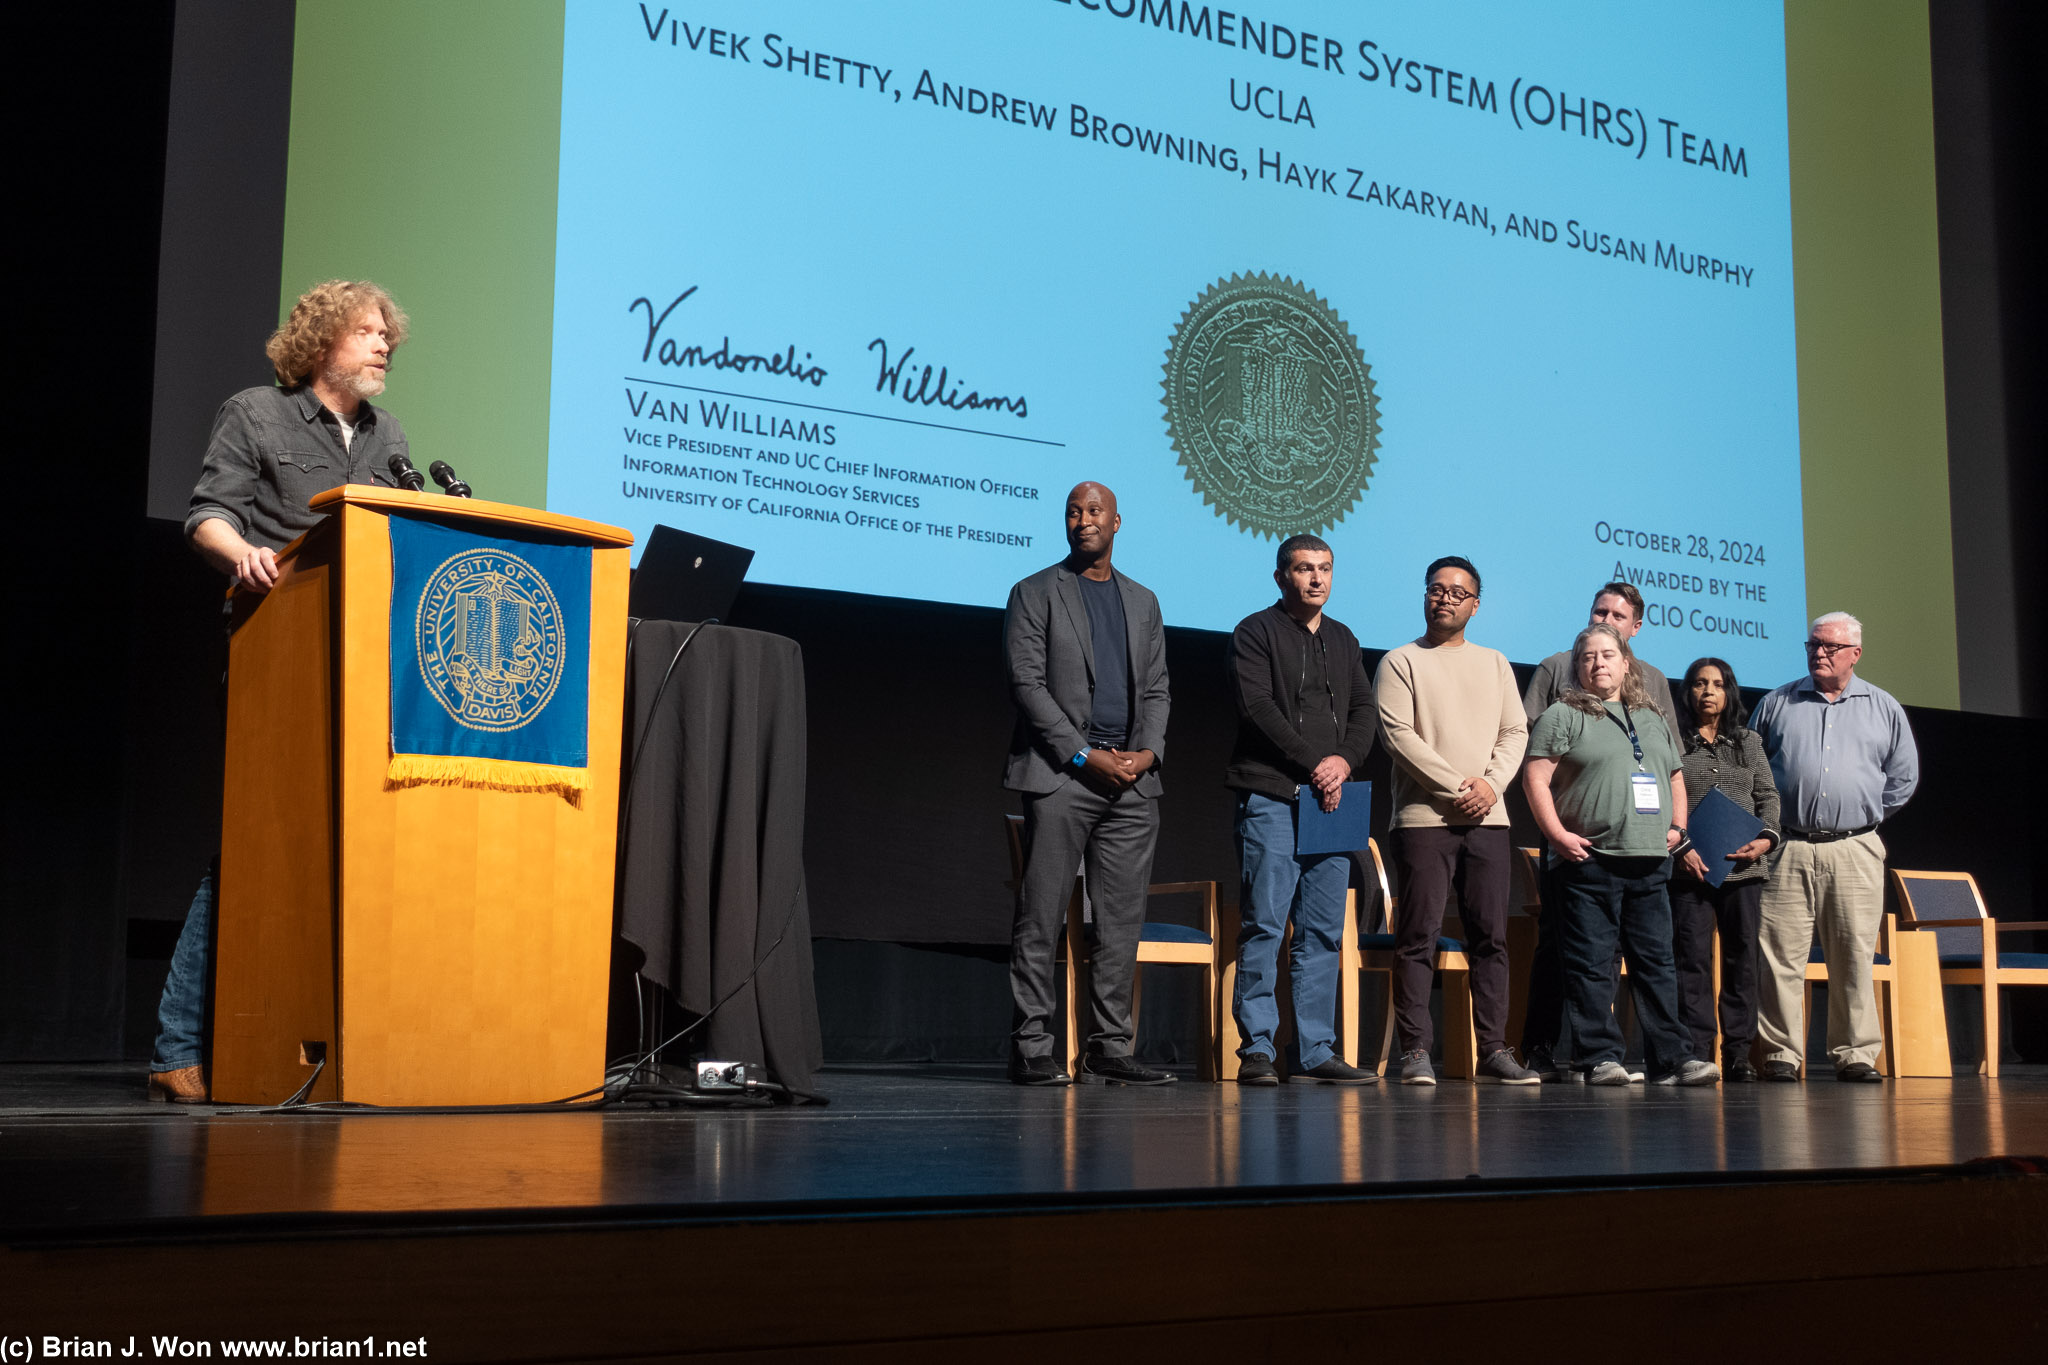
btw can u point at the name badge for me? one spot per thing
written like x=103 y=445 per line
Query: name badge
x=1645 y=786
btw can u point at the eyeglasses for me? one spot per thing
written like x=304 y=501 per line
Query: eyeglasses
x=1826 y=650
x=1437 y=592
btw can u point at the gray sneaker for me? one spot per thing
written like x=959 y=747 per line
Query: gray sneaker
x=1609 y=1073
x=1501 y=1068
x=1415 y=1068
x=1692 y=1073
x=1548 y=1069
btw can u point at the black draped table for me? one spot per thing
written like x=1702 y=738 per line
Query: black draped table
x=711 y=880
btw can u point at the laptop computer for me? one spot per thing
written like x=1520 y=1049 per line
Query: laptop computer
x=687 y=577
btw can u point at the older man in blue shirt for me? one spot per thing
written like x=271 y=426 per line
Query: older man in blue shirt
x=1844 y=761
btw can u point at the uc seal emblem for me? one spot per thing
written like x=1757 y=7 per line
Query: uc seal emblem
x=1270 y=406
x=490 y=639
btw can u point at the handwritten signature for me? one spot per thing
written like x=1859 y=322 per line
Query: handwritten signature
x=691 y=356
x=926 y=388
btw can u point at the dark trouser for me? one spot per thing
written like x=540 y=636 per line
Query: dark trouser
x=1544 y=1026
x=1696 y=910
x=1111 y=839
x=1601 y=901
x=1431 y=862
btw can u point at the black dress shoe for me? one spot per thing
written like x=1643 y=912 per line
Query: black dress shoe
x=1257 y=1069
x=1859 y=1071
x=1739 y=1069
x=1038 y=1071
x=1780 y=1071
x=1122 y=1071
x=1334 y=1071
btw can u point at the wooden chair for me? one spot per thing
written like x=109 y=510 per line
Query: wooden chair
x=1884 y=980
x=1349 y=962
x=1159 y=941
x=1950 y=906
x=1376 y=952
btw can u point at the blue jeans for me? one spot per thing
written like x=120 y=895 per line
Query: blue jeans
x=181 y=1015
x=1278 y=887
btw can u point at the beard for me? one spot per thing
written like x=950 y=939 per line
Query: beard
x=363 y=383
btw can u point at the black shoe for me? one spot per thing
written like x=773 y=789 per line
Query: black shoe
x=1122 y=1071
x=1334 y=1070
x=1257 y=1069
x=1738 y=1069
x=1780 y=1071
x=1037 y=1071
x=1859 y=1071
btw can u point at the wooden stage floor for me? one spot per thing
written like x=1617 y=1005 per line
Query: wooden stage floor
x=928 y=1210
x=80 y=1150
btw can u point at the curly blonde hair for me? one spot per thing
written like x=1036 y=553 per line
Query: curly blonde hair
x=1634 y=695
x=319 y=318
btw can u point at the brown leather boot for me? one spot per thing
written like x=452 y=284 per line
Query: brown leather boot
x=186 y=1085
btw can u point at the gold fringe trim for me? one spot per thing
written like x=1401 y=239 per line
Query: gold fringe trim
x=492 y=774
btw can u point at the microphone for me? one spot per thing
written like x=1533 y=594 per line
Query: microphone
x=407 y=476
x=444 y=474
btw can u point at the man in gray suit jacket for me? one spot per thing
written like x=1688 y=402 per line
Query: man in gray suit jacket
x=1086 y=651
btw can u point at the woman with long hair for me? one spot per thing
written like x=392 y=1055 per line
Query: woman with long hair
x=1600 y=779
x=1720 y=752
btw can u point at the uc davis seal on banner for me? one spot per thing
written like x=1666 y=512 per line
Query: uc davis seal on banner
x=489 y=635
x=1271 y=406
x=495 y=689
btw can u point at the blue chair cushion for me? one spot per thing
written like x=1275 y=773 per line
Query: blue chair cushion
x=2034 y=960
x=1157 y=931
x=1876 y=959
x=1384 y=943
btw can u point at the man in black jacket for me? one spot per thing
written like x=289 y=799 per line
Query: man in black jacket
x=1086 y=651
x=1305 y=724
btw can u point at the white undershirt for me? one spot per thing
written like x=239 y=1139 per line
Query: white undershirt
x=348 y=431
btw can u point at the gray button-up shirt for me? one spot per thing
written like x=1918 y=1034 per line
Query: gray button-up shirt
x=1839 y=765
x=272 y=449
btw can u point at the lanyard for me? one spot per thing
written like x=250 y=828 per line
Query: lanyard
x=1628 y=728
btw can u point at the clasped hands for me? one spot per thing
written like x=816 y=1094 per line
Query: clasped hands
x=1112 y=771
x=1328 y=779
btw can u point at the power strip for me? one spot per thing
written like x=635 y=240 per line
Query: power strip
x=716 y=1076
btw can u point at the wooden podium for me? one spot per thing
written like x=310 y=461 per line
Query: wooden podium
x=438 y=944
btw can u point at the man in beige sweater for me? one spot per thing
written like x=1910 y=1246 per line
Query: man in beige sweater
x=1452 y=720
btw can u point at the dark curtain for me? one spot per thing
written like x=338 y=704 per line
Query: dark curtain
x=711 y=878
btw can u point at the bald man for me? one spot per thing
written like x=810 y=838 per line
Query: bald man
x=1086 y=652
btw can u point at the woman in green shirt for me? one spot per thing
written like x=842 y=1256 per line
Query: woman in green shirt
x=1599 y=780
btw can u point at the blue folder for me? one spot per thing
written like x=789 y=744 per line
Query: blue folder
x=1718 y=827
x=1343 y=830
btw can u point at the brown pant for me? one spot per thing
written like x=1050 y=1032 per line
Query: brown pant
x=1473 y=860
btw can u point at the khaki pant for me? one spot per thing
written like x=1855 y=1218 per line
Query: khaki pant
x=1836 y=889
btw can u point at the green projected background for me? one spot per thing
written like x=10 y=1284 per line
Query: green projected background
x=433 y=169
x=1873 y=424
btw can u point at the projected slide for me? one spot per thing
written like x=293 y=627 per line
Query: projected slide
x=869 y=287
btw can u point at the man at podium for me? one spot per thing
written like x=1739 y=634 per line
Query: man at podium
x=272 y=449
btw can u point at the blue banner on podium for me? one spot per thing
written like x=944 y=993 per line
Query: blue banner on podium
x=490 y=660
